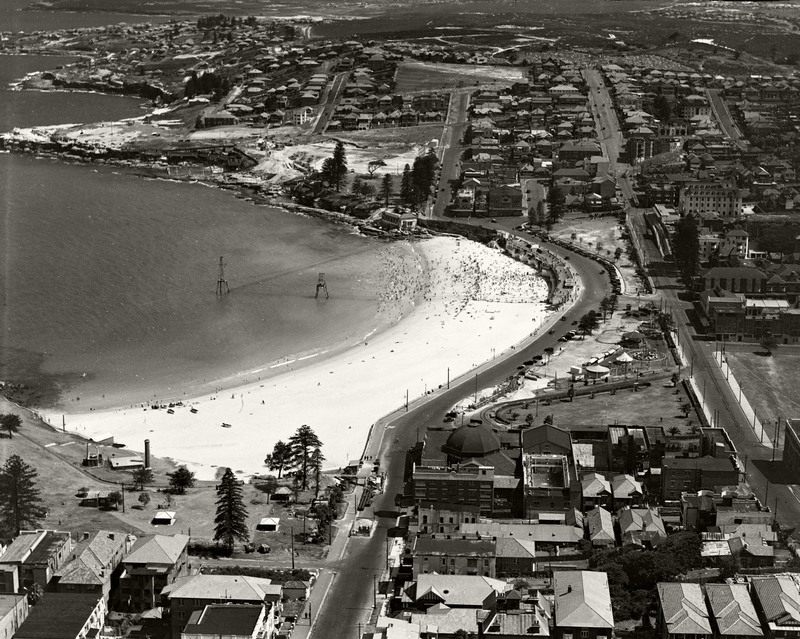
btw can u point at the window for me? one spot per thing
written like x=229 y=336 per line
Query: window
x=584 y=634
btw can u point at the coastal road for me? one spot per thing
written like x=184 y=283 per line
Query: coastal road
x=718 y=397
x=348 y=604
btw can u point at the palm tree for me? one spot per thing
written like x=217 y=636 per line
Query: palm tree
x=10 y=422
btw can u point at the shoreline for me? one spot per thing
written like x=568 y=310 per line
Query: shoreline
x=414 y=353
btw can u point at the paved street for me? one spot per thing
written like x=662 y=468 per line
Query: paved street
x=349 y=602
x=330 y=102
x=723 y=116
x=449 y=149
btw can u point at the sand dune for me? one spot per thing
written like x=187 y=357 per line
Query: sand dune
x=473 y=303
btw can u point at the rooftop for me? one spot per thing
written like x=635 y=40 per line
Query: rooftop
x=733 y=610
x=225 y=620
x=157 y=549
x=684 y=609
x=230 y=587
x=582 y=599
x=58 y=616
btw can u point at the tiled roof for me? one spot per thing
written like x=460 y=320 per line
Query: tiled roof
x=625 y=486
x=594 y=484
x=684 y=609
x=733 y=610
x=233 y=587
x=582 y=599
x=779 y=598
x=600 y=525
x=157 y=549
x=93 y=560
x=515 y=548
x=459 y=590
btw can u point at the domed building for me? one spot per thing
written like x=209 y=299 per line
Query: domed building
x=470 y=440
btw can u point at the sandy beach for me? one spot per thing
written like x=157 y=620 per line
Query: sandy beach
x=472 y=304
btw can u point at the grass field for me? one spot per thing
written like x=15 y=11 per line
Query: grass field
x=770 y=383
x=656 y=405
x=416 y=77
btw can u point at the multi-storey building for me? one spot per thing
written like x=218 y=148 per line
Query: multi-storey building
x=722 y=198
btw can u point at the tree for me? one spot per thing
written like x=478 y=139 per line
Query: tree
x=375 y=165
x=141 y=477
x=608 y=305
x=686 y=408
x=302 y=444
x=686 y=249
x=20 y=500
x=540 y=213
x=588 y=323
x=549 y=352
x=315 y=466
x=325 y=516
x=35 y=594
x=355 y=186
x=386 y=188
x=617 y=253
x=768 y=342
x=662 y=108
x=113 y=498
x=230 y=522
x=144 y=499
x=11 y=423
x=529 y=419
x=673 y=430
x=180 y=480
x=280 y=458
x=406 y=186
x=548 y=420
x=339 y=163
x=267 y=485
x=555 y=204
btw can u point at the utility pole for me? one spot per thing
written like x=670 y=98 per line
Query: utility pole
x=291 y=532
x=222 y=283
x=448 y=378
x=122 y=486
x=476 y=390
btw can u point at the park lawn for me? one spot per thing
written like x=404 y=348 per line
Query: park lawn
x=769 y=382
x=655 y=405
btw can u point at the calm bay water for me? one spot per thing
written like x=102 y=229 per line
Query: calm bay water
x=107 y=281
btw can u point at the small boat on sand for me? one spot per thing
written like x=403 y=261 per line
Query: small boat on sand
x=225 y=425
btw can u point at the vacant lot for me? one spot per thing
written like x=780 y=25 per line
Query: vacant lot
x=416 y=77
x=770 y=383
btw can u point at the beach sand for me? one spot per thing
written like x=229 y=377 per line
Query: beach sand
x=472 y=304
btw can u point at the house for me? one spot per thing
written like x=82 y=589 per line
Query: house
x=192 y=593
x=155 y=561
x=283 y=494
x=515 y=557
x=626 y=490
x=402 y=221
x=64 y=616
x=777 y=600
x=444 y=622
x=454 y=591
x=682 y=612
x=600 y=527
x=93 y=563
x=13 y=611
x=33 y=558
x=733 y=612
x=232 y=621
x=582 y=605
x=595 y=490
x=641 y=527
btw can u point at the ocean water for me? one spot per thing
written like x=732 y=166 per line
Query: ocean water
x=13 y=17
x=107 y=281
x=107 y=284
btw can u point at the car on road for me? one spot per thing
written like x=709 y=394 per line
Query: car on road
x=493 y=221
x=563 y=318
x=551 y=331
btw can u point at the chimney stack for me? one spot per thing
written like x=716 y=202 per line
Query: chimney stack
x=147 y=453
